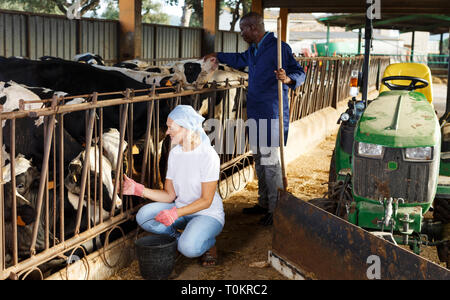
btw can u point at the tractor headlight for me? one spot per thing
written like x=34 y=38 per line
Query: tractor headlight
x=420 y=153
x=371 y=150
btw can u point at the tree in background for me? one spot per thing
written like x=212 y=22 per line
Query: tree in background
x=193 y=11
x=445 y=46
x=49 y=6
x=236 y=11
x=151 y=12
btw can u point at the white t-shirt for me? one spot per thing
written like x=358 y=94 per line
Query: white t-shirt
x=188 y=170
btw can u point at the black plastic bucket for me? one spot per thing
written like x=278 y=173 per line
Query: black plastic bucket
x=156 y=256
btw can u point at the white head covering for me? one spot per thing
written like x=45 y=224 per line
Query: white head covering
x=187 y=117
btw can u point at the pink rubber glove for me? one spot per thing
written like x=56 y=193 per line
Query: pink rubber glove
x=167 y=216
x=131 y=187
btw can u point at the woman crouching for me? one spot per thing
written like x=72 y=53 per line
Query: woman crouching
x=189 y=199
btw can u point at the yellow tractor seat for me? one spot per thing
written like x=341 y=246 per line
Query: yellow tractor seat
x=410 y=69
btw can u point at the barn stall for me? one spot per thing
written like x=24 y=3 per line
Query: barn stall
x=49 y=248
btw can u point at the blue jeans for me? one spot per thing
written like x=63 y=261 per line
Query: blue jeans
x=199 y=233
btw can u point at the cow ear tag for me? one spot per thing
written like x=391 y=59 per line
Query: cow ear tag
x=168 y=83
x=20 y=222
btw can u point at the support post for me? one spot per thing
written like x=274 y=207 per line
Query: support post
x=284 y=16
x=327 y=52
x=447 y=110
x=359 y=40
x=367 y=46
x=130 y=21
x=441 y=44
x=210 y=25
x=412 y=46
x=257 y=7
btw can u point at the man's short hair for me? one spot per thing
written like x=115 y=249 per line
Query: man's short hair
x=253 y=18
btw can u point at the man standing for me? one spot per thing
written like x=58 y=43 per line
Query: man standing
x=262 y=104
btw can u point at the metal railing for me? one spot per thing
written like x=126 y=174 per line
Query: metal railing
x=328 y=82
x=48 y=237
x=325 y=85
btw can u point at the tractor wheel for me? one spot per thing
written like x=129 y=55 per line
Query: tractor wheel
x=441 y=213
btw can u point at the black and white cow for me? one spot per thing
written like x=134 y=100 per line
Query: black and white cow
x=27 y=187
x=78 y=79
x=90 y=59
x=109 y=158
x=145 y=77
x=29 y=141
x=220 y=76
x=193 y=73
x=160 y=69
x=133 y=64
x=10 y=95
x=29 y=138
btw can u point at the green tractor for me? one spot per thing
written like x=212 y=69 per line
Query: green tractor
x=389 y=185
x=391 y=163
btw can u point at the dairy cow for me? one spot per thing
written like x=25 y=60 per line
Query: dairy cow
x=27 y=186
x=78 y=79
x=89 y=58
x=133 y=64
x=109 y=158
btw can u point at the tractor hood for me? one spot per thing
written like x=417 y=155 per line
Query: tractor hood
x=399 y=119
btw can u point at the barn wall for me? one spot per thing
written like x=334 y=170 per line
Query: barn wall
x=36 y=35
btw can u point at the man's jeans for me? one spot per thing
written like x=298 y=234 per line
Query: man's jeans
x=268 y=171
x=199 y=233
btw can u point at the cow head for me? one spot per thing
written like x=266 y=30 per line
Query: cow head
x=194 y=73
x=73 y=179
x=27 y=176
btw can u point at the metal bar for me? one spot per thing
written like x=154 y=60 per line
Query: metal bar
x=97 y=161
x=86 y=167
x=105 y=103
x=2 y=201
x=100 y=172
x=47 y=217
x=61 y=177
x=67 y=245
x=367 y=46
x=130 y=150
x=412 y=45
x=88 y=179
x=54 y=186
x=123 y=126
x=13 y=192
x=147 y=140
x=44 y=171
x=156 y=169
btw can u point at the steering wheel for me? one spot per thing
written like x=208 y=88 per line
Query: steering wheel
x=411 y=87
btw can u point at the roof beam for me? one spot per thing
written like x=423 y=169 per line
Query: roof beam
x=358 y=6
